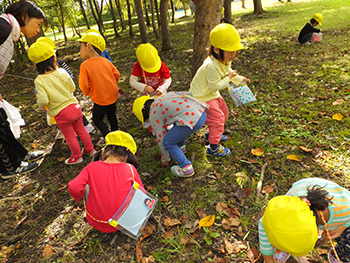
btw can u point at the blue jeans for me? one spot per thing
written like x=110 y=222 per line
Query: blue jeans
x=175 y=138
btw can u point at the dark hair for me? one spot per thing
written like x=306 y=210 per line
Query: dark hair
x=25 y=9
x=97 y=50
x=318 y=199
x=313 y=21
x=118 y=151
x=146 y=108
x=46 y=65
x=215 y=55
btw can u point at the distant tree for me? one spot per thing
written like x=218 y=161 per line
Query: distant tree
x=208 y=14
x=228 y=12
x=84 y=14
x=146 y=13
x=258 y=9
x=115 y=28
x=120 y=14
x=141 y=20
x=97 y=14
x=155 y=29
x=172 y=11
x=243 y=3
x=157 y=12
x=166 y=42
x=131 y=31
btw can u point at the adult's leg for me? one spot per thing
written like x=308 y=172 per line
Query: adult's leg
x=112 y=118
x=98 y=114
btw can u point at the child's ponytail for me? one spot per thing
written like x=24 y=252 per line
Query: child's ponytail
x=318 y=199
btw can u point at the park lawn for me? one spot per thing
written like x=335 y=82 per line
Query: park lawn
x=298 y=89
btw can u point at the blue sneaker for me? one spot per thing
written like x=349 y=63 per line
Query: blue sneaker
x=220 y=151
x=223 y=137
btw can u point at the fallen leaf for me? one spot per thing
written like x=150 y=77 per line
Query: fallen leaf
x=230 y=248
x=337 y=117
x=257 y=151
x=233 y=212
x=256 y=110
x=187 y=239
x=171 y=222
x=61 y=159
x=138 y=252
x=18 y=246
x=48 y=251
x=61 y=188
x=200 y=213
x=150 y=259
x=147 y=231
x=253 y=254
x=207 y=221
x=293 y=157
x=314 y=122
x=168 y=235
x=227 y=223
x=305 y=149
x=164 y=199
x=338 y=102
x=149 y=187
x=243 y=193
x=221 y=207
x=267 y=189
x=6 y=251
x=35 y=145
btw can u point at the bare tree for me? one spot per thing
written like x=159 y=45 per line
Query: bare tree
x=208 y=15
x=115 y=28
x=155 y=29
x=172 y=11
x=84 y=14
x=131 y=31
x=146 y=13
x=166 y=43
x=258 y=9
x=120 y=14
x=227 y=12
x=142 y=26
x=157 y=12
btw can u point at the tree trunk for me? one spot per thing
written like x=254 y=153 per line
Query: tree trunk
x=115 y=28
x=227 y=12
x=131 y=32
x=155 y=29
x=157 y=12
x=93 y=11
x=166 y=43
x=258 y=9
x=243 y=3
x=99 y=15
x=84 y=14
x=146 y=13
x=173 y=12
x=208 y=14
x=120 y=14
x=62 y=23
x=142 y=26
x=184 y=7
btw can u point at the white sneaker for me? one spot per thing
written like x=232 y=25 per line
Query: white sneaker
x=59 y=135
x=89 y=128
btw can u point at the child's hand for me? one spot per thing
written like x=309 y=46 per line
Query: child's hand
x=337 y=232
x=231 y=74
x=148 y=89
x=158 y=93
x=246 y=80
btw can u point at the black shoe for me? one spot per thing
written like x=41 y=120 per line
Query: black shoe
x=33 y=156
x=23 y=169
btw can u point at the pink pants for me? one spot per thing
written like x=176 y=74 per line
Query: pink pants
x=70 y=122
x=217 y=115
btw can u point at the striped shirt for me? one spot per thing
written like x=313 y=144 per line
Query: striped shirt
x=339 y=208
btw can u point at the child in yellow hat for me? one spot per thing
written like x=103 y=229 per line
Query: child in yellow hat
x=214 y=75
x=150 y=75
x=107 y=181
x=309 y=29
x=99 y=79
x=289 y=224
x=54 y=89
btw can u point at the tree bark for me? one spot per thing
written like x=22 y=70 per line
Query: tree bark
x=173 y=11
x=166 y=43
x=120 y=14
x=114 y=19
x=155 y=29
x=146 y=13
x=84 y=14
x=227 y=12
x=62 y=22
x=131 y=31
x=258 y=9
x=243 y=3
x=99 y=15
x=142 y=26
x=157 y=12
x=208 y=14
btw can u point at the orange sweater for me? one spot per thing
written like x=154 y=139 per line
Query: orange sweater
x=98 y=78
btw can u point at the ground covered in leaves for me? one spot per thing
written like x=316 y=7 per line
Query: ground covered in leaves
x=289 y=133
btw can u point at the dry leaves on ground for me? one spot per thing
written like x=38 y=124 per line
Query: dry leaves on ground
x=207 y=221
x=293 y=158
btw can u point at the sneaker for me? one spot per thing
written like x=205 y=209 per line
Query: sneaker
x=91 y=153
x=23 y=169
x=72 y=160
x=220 y=151
x=183 y=148
x=33 y=156
x=223 y=137
x=59 y=135
x=101 y=142
x=89 y=128
x=187 y=171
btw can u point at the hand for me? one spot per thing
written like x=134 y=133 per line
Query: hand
x=337 y=232
x=246 y=80
x=268 y=259
x=148 y=89
x=1 y=97
x=158 y=93
x=231 y=74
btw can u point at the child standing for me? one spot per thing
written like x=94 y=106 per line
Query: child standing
x=326 y=200
x=309 y=29
x=54 y=89
x=153 y=73
x=99 y=79
x=213 y=76
x=107 y=182
x=186 y=114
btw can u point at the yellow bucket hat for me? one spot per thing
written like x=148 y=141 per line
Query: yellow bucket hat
x=318 y=17
x=226 y=37
x=120 y=138
x=47 y=40
x=290 y=225
x=40 y=51
x=137 y=108
x=148 y=57
x=94 y=39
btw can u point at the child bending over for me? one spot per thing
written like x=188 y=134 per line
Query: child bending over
x=309 y=29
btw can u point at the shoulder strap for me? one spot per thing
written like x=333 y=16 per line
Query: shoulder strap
x=132 y=172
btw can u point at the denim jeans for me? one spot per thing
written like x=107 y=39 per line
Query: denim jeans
x=175 y=138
